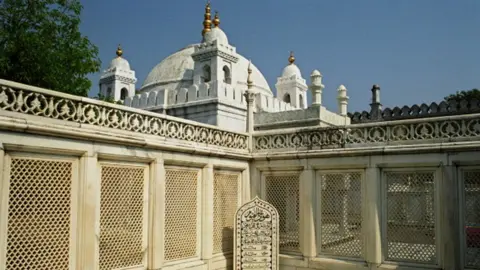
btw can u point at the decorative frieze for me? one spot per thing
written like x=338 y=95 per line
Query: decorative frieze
x=208 y=54
x=117 y=77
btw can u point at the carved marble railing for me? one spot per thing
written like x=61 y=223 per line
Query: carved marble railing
x=433 y=110
x=403 y=132
x=30 y=100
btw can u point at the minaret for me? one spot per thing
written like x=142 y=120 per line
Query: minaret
x=342 y=100
x=118 y=80
x=291 y=87
x=316 y=87
x=250 y=98
x=215 y=60
x=207 y=21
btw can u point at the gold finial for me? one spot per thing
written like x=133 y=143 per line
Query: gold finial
x=207 y=22
x=119 y=51
x=291 y=59
x=216 y=20
x=249 y=79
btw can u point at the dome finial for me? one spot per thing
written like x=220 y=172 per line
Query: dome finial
x=216 y=20
x=291 y=59
x=249 y=78
x=207 y=22
x=119 y=51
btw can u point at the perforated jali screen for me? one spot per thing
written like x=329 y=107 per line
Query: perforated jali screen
x=121 y=216
x=181 y=206
x=341 y=226
x=410 y=223
x=471 y=204
x=225 y=202
x=282 y=191
x=39 y=212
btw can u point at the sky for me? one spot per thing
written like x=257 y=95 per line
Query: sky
x=418 y=51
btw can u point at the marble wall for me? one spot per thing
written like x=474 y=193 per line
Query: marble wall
x=90 y=185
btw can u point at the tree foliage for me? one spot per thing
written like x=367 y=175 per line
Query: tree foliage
x=464 y=95
x=41 y=45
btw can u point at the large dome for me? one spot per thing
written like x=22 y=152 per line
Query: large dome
x=178 y=67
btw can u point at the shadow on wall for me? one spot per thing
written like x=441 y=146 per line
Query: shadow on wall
x=227 y=240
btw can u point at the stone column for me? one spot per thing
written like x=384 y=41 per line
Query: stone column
x=450 y=205
x=207 y=210
x=307 y=214
x=372 y=216
x=157 y=200
x=3 y=207
x=89 y=194
x=316 y=87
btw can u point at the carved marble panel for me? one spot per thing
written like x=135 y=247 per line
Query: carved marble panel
x=256 y=236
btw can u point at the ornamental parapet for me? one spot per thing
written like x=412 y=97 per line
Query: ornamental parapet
x=418 y=111
x=29 y=100
x=434 y=130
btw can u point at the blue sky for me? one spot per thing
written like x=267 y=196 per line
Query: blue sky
x=416 y=50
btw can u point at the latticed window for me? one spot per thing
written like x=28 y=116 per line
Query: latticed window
x=471 y=204
x=39 y=213
x=122 y=212
x=225 y=203
x=410 y=219
x=282 y=191
x=341 y=214
x=181 y=213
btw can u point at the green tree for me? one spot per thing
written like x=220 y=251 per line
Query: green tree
x=41 y=45
x=461 y=95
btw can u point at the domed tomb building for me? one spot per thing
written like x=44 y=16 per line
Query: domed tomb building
x=205 y=82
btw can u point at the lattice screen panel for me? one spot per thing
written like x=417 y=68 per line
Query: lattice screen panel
x=181 y=206
x=225 y=202
x=410 y=224
x=121 y=216
x=282 y=191
x=341 y=230
x=472 y=217
x=39 y=209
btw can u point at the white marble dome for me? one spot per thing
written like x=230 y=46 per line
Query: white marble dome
x=178 y=69
x=291 y=70
x=119 y=63
x=216 y=34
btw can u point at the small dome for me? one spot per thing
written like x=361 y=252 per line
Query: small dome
x=342 y=88
x=291 y=70
x=316 y=73
x=119 y=63
x=216 y=34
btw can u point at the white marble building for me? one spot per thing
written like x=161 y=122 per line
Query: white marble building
x=87 y=184
x=205 y=82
